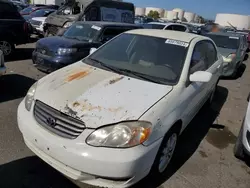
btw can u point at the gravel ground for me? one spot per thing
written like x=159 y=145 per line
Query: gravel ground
x=204 y=157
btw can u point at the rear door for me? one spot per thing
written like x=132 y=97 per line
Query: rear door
x=12 y=26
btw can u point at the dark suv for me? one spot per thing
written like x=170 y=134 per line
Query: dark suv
x=13 y=27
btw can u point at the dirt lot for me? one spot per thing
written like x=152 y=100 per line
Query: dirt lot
x=204 y=156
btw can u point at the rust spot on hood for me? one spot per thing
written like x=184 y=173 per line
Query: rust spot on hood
x=114 y=109
x=90 y=107
x=77 y=75
x=115 y=80
x=76 y=104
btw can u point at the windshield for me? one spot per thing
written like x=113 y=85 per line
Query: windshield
x=27 y=10
x=145 y=57
x=225 y=41
x=154 y=26
x=82 y=32
x=41 y=13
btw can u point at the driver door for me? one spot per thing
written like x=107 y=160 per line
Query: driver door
x=193 y=95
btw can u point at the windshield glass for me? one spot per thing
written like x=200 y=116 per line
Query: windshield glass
x=27 y=10
x=145 y=57
x=41 y=13
x=154 y=26
x=82 y=32
x=225 y=41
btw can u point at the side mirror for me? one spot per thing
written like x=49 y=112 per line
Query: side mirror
x=92 y=50
x=248 y=98
x=200 y=76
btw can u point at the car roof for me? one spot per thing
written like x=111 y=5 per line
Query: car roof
x=103 y=24
x=228 y=34
x=165 y=23
x=176 y=35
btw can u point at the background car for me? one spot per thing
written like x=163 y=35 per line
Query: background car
x=13 y=28
x=32 y=8
x=39 y=13
x=166 y=26
x=233 y=49
x=242 y=145
x=58 y=51
x=129 y=101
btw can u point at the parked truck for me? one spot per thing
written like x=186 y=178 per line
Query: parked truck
x=88 y=10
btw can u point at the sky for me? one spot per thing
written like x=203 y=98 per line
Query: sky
x=206 y=8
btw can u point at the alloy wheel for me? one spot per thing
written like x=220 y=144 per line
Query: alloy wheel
x=5 y=47
x=167 y=152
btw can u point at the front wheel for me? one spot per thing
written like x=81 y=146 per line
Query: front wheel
x=165 y=152
x=6 y=47
x=238 y=147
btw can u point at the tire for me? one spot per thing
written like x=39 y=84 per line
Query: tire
x=159 y=167
x=238 y=147
x=7 y=47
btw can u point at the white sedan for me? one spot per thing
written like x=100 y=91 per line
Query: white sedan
x=113 y=117
x=242 y=145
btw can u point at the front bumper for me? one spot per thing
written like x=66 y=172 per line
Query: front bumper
x=97 y=166
x=228 y=69
x=51 y=63
x=37 y=29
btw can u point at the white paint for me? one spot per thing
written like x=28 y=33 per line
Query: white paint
x=125 y=99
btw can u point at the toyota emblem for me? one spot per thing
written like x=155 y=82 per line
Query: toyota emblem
x=43 y=51
x=51 y=121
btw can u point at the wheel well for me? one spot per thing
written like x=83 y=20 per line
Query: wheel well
x=177 y=125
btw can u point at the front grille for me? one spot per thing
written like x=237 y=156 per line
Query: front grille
x=53 y=29
x=35 y=22
x=57 y=122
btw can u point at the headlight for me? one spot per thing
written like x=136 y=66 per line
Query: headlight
x=122 y=135
x=67 y=24
x=231 y=56
x=30 y=96
x=65 y=51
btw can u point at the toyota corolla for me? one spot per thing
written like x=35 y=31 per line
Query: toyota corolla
x=113 y=117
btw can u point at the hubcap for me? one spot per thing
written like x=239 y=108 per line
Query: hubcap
x=5 y=47
x=167 y=152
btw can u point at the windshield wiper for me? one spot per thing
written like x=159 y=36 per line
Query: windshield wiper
x=143 y=76
x=106 y=66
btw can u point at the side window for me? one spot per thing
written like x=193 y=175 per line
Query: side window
x=169 y=27
x=178 y=28
x=92 y=14
x=211 y=54
x=109 y=33
x=198 y=59
x=8 y=12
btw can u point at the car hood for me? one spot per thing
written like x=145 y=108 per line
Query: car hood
x=96 y=96
x=41 y=19
x=55 y=42
x=226 y=51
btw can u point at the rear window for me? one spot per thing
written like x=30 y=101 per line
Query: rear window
x=154 y=26
x=230 y=42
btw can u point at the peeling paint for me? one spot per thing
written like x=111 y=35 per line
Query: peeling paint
x=76 y=104
x=70 y=111
x=114 y=109
x=115 y=80
x=77 y=75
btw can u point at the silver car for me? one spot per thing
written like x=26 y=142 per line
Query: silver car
x=233 y=49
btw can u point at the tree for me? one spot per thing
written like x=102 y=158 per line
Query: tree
x=154 y=14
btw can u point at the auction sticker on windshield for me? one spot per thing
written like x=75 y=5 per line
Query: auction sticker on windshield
x=96 y=27
x=176 y=42
x=234 y=37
